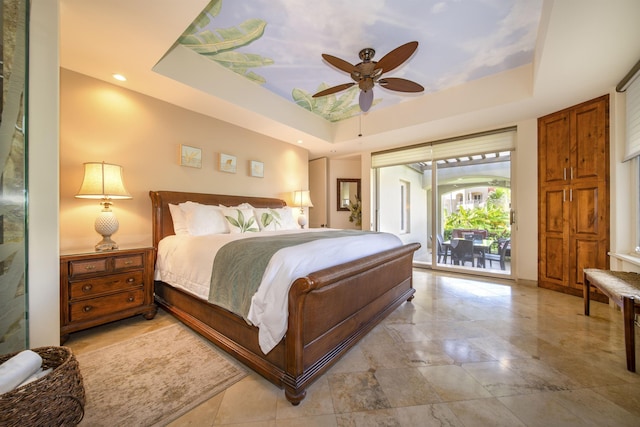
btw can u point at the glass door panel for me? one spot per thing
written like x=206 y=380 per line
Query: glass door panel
x=473 y=210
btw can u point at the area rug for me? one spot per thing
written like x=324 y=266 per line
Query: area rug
x=154 y=378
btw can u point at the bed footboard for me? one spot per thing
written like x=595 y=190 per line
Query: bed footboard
x=332 y=309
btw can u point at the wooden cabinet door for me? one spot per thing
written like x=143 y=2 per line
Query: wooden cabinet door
x=589 y=230
x=553 y=259
x=554 y=148
x=589 y=123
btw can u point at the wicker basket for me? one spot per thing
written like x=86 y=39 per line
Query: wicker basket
x=57 y=399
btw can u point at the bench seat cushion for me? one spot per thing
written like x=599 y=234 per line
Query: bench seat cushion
x=618 y=283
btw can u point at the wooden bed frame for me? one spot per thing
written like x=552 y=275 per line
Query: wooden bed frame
x=329 y=310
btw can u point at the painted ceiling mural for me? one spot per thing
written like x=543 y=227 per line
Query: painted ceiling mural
x=278 y=43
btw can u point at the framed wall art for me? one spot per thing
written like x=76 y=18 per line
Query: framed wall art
x=228 y=163
x=190 y=156
x=256 y=169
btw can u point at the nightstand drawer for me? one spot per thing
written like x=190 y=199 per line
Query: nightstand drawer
x=126 y=262
x=92 y=266
x=95 y=307
x=99 y=285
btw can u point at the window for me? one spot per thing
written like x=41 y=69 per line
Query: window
x=404 y=206
x=631 y=85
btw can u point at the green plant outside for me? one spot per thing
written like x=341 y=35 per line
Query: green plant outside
x=494 y=217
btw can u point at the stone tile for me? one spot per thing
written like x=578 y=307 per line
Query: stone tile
x=328 y=420
x=436 y=415
x=358 y=391
x=406 y=387
x=463 y=351
x=595 y=408
x=498 y=348
x=376 y=418
x=426 y=353
x=251 y=399
x=484 y=412
x=499 y=380
x=542 y=410
x=626 y=396
x=453 y=383
x=540 y=375
x=203 y=415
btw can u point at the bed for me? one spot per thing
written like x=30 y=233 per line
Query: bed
x=350 y=299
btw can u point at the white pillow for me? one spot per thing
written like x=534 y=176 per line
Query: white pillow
x=180 y=225
x=204 y=219
x=275 y=219
x=240 y=220
x=240 y=206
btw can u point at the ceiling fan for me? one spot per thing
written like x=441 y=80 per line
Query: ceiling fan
x=369 y=72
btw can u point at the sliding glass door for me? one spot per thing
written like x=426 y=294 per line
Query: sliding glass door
x=454 y=198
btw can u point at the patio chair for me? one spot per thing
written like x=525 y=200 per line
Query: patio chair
x=503 y=247
x=442 y=249
x=462 y=251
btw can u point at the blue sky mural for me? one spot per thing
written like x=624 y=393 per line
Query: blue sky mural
x=278 y=43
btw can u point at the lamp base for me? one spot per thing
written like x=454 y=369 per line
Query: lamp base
x=106 y=224
x=302 y=220
x=106 y=244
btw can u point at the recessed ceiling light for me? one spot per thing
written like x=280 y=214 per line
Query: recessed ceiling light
x=120 y=77
x=300 y=141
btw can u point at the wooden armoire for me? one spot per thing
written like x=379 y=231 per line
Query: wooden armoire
x=573 y=191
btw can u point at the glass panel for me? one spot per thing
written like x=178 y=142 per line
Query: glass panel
x=13 y=289
x=473 y=208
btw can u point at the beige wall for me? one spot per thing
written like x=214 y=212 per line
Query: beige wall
x=318 y=188
x=105 y=122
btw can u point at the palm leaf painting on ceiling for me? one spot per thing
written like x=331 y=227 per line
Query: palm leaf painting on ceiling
x=222 y=45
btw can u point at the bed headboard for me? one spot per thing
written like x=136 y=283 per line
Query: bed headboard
x=161 y=217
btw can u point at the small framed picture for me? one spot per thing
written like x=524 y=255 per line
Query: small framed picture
x=257 y=169
x=190 y=156
x=227 y=163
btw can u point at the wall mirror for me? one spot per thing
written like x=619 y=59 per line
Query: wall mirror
x=348 y=192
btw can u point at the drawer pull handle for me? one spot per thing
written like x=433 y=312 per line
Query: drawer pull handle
x=87 y=308
x=90 y=267
x=131 y=280
x=130 y=299
x=87 y=288
x=128 y=262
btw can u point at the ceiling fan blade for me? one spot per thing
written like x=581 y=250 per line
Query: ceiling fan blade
x=366 y=100
x=332 y=89
x=340 y=64
x=400 y=85
x=396 y=57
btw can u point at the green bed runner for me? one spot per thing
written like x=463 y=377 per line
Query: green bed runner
x=238 y=266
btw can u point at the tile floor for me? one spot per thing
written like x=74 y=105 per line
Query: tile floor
x=464 y=352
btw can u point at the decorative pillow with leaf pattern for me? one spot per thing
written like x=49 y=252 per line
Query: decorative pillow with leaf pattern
x=275 y=219
x=268 y=219
x=240 y=220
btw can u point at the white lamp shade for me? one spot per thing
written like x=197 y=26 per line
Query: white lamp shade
x=102 y=181
x=302 y=199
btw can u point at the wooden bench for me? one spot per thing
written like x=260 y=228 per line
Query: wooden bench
x=623 y=288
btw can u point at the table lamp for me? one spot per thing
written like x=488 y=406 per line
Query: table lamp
x=104 y=181
x=301 y=198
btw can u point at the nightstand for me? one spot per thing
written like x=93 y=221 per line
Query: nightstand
x=100 y=287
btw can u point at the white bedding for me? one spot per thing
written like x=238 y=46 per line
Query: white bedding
x=186 y=262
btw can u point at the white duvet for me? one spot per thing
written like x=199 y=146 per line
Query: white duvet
x=186 y=262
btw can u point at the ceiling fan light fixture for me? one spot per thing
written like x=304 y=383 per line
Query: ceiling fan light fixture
x=366 y=100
